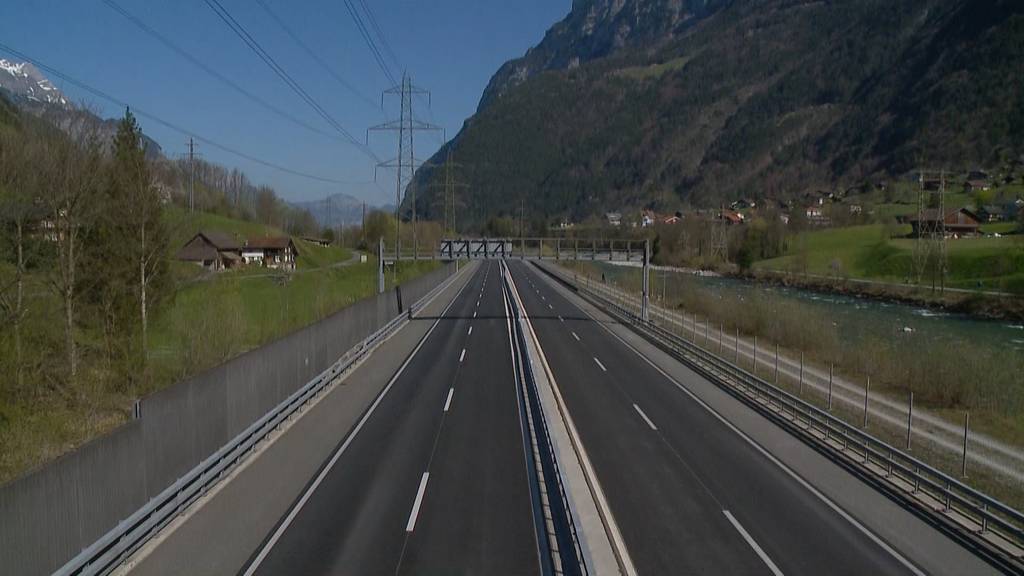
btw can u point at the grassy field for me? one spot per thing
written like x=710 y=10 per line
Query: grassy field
x=209 y=319
x=876 y=252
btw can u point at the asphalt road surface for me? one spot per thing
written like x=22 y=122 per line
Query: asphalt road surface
x=435 y=482
x=690 y=495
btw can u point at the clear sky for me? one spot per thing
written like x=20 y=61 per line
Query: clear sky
x=451 y=47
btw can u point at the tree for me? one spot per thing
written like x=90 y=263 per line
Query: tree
x=71 y=172
x=139 y=239
x=18 y=185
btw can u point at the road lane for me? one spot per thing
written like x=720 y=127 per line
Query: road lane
x=376 y=510
x=671 y=470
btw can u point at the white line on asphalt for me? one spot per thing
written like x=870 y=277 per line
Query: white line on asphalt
x=646 y=419
x=416 y=505
x=474 y=314
x=560 y=319
x=470 y=333
x=551 y=307
x=575 y=336
x=463 y=355
x=771 y=457
x=761 y=553
x=251 y=569
x=448 y=402
x=599 y=364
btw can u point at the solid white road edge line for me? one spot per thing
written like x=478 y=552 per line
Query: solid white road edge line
x=789 y=471
x=646 y=419
x=337 y=455
x=753 y=544
x=417 y=503
x=601 y=501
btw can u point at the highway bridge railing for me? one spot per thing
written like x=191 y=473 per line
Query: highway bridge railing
x=106 y=553
x=989 y=527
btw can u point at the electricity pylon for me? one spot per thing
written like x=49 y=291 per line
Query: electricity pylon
x=406 y=161
x=450 y=186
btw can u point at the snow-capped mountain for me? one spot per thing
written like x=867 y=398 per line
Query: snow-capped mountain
x=22 y=79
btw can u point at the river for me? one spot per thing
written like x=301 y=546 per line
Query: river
x=858 y=317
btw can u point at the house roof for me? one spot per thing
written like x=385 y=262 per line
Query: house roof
x=221 y=240
x=269 y=242
x=956 y=217
x=206 y=246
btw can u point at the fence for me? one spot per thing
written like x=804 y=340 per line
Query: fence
x=50 y=515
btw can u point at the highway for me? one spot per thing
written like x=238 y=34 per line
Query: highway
x=436 y=480
x=690 y=495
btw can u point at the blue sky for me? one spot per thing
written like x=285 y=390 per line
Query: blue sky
x=451 y=47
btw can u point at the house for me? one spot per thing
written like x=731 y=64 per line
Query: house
x=816 y=215
x=317 y=241
x=743 y=204
x=212 y=250
x=614 y=218
x=673 y=219
x=956 y=223
x=977 y=186
x=730 y=217
x=930 y=183
x=647 y=219
x=992 y=213
x=271 y=252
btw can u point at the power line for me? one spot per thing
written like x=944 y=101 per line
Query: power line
x=316 y=57
x=267 y=59
x=139 y=112
x=223 y=79
x=374 y=50
x=380 y=33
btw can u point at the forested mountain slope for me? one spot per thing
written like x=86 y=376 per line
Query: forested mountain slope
x=658 y=103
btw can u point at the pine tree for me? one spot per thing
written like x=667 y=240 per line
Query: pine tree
x=135 y=238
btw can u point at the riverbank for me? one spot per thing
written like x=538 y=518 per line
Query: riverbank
x=984 y=304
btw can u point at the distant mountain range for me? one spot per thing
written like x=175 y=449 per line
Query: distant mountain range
x=630 y=104
x=32 y=92
x=339 y=209
x=23 y=79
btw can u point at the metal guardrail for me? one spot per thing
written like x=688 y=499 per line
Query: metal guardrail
x=130 y=534
x=991 y=527
x=559 y=521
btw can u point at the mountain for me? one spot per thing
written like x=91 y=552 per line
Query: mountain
x=627 y=104
x=32 y=92
x=336 y=210
x=23 y=80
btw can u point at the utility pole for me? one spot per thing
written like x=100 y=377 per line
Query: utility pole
x=450 y=185
x=930 y=244
x=406 y=161
x=192 y=175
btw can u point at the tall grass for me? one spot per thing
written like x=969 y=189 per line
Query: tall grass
x=945 y=375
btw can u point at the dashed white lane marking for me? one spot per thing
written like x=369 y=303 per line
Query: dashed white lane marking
x=470 y=333
x=560 y=319
x=474 y=314
x=600 y=365
x=646 y=419
x=448 y=402
x=761 y=553
x=463 y=355
x=575 y=336
x=551 y=307
x=416 y=505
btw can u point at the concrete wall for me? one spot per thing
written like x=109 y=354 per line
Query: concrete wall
x=50 y=515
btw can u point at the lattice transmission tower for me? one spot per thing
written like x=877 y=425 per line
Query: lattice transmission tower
x=406 y=162
x=930 y=252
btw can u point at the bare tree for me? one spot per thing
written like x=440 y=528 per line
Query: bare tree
x=71 y=172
